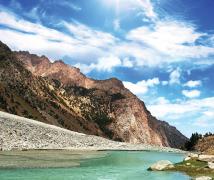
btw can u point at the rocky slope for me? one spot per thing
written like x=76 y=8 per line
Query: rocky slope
x=18 y=133
x=58 y=94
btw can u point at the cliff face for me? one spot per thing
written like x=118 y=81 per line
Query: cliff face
x=59 y=94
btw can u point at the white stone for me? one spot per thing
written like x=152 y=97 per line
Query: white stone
x=211 y=165
x=187 y=158
x=188 y=164
x=203 y=178
x=161 y=165
x=206 y=158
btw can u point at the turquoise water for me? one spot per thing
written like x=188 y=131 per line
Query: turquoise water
x=107 y=166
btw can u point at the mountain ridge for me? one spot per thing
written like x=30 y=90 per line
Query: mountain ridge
x=67 y=98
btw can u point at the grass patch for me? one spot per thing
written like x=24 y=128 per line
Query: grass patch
x=195 y=169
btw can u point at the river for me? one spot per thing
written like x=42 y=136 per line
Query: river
x=70 y=165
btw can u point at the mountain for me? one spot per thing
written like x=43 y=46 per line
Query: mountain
x=58 y=94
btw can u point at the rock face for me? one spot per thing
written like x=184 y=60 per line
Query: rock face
x=206 y=145
x=161 y=165
x=58 y=94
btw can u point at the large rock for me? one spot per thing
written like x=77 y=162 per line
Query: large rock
x=203 y=178
x=161 y=165
x=211 y=165
x=206 y=158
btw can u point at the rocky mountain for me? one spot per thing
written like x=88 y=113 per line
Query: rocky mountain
x=58 y=94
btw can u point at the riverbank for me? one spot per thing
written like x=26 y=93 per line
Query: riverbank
x=194 y=165
x=18 y=133
x=194 y=168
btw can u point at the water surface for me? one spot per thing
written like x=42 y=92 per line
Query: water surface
x=65 y=165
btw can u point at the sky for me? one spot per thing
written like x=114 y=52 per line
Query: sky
x=162 y=50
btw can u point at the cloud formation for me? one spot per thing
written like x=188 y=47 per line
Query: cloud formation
x=202 y=108
x=141 y=87
x=193 y=84
x=191 y=93
x=174 y=77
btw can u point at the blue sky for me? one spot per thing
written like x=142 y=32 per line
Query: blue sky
x=162 y=50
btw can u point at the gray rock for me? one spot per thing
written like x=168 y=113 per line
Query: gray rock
x=161 y=165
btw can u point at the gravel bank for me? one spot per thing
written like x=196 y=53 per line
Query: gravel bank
x=18 y=133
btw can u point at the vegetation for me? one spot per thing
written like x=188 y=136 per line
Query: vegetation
x=208 y=134
x=5 y=52
x=190 y=145
x=117 y=96
x=193 y=168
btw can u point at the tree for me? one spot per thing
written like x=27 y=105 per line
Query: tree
x=208 y=134
x=192 y=141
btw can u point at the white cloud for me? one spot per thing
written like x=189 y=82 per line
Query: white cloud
x=107 y=63
x=127 y=63
x=125 y=6
x=70 y=5
x=161 y=100
x=192 y=84
x=103 y=64
x=83 y=42
x=173 y=38
x=191 y=93
x=148 y=8
x=192 y=115
x=145 y=46
x=141 y=87
x=174 y=77
x=181 y=109
x=89 y=36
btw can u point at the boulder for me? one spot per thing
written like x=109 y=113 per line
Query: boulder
x=206 y=158
x=211 y=165
x=161 y=165
x=203 y=178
